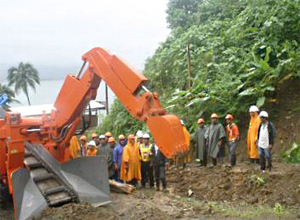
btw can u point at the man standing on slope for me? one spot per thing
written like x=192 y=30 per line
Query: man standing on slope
x=200 y=143
x=215 y=137
x=252 y=134
x=233 y=136
x=265 y=141
x=117 y=156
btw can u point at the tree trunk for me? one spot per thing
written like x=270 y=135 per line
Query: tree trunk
x=27 y=98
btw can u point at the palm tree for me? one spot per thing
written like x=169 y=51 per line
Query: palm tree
x=4 y=89
x=23 y=77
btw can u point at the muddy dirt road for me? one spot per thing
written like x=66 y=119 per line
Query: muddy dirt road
x=215 y=193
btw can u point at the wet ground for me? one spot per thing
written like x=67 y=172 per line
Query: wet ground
x=201 y=193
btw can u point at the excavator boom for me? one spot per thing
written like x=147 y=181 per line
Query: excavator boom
x=34 y=155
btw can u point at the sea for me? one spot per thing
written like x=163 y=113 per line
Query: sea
x=48 y=90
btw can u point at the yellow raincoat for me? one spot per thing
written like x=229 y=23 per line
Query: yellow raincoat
x=131 y=156
x=252 y=136
x=74 y=147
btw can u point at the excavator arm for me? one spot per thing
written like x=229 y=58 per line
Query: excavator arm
x=129 y=87
x=34 y=161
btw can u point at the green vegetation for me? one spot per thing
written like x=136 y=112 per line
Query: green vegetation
x=23 y=77
x=4 y=89
x=257 y=180
x=241 y=50
x=241 y=210
x=292 y=155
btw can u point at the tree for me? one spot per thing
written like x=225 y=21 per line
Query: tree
x=5 y=90
x=23 y=77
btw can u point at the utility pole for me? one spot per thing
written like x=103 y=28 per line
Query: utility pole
x=189 y=66
x=106 y=99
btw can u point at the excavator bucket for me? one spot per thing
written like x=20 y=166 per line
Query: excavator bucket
x=47 y=183
x=168 y=134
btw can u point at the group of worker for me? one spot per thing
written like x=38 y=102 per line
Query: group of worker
x=136 y=159
x=211 y=141
x=132 y=160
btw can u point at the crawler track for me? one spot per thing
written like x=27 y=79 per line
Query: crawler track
x=54 y=189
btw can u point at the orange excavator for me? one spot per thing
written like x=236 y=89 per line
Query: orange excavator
x=34 y=161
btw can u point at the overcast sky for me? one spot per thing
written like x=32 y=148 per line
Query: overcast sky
x=53 y=34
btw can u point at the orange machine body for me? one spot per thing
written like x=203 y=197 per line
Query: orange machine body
x=54 y=131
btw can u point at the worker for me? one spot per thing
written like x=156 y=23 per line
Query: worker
x=147 y=168
x=265 y=141
x=74 y=148
x=109 y=158
x=95 y=138
x=139 y=137
x=233 y=137
x=131 y=162
x=103 y=143
x=200 y=142
x=91 y=149
x=160 y=163
x=117 y=156
x=215 y=137
x=252 y=134
x=186 y=159
x=83 y=145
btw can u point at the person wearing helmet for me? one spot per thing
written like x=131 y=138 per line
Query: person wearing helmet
x=83 y=145
x=106 y=150
x=215 y=138
x=233 y=136
x=252 y=134
x=139 y=137
x=160 y=164
x=91 y=149
x=200 y=142
x=74 y=148
x=117 y=157
x=109 y=158
x=265 y=141
x=147 y=168
x=95 y=138
x=131 y=162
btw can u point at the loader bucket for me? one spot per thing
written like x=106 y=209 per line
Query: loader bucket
x=85 y=177
x=168 y=134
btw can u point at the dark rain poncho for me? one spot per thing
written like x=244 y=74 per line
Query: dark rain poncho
x=213 y=134
x=200 y=142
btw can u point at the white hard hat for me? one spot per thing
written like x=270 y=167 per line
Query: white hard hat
x=146 y=136
x=139 y=134
x=253 y=108
x=101 y=137
x=263 y=114
x=92 y=143
x=181 y=121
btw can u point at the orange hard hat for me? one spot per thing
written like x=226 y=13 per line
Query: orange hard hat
x=111 y=139
x=108 y=134
x=131 y=136
x=83 y=138
x=121 y=136
x=214 y=115
x=200 y=120
x=94 y=135
x=229 y=116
